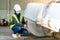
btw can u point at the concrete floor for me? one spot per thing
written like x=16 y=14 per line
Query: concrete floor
x=5 y=34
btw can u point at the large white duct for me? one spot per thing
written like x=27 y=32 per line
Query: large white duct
x=32 y=12
x=42 y=13
x=33 y=9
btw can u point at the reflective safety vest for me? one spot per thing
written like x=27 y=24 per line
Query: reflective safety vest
x=11 y=20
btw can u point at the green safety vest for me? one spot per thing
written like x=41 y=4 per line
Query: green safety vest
x=20 y=22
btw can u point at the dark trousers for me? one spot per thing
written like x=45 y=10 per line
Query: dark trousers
x=19 y=29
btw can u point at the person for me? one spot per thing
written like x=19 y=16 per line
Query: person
x=17 y=22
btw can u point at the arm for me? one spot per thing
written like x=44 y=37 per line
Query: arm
x=24 y=22
x=10 y=20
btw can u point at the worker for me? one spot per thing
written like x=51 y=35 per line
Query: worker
x=17 y=22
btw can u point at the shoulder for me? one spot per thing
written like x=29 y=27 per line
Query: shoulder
x=11 y=15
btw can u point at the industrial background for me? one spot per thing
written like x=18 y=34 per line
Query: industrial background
x=6 y=6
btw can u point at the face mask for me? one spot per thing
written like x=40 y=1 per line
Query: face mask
x=17 y=12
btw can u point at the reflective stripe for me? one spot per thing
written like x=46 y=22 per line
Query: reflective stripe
x=10 y=22
x=15 y=17
x=21 y=16
x=11 y=26
x=10 y=18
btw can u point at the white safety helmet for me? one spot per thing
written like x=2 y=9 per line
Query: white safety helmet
x=17 y=7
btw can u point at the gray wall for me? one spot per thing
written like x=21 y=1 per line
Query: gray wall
x=3 y=9
x=3 y=4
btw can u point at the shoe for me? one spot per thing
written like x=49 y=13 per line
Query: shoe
x=14 y=36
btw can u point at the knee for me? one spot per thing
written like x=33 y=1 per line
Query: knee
x=18 y=27
x=25 y=32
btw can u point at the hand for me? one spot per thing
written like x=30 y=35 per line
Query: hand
x=26 y=19
x=24 y=26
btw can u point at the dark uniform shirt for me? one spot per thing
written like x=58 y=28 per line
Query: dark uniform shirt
x=18 y=17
